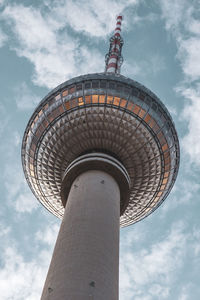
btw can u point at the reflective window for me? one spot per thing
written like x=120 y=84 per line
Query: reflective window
x=165 y=147
x=167 y=167
x=130 y=106
x=45 y=123
x=142 y=113
x=51 y=101
x=65 y=93
x=102 y=98
x=156 y=128
x=152 y=123
x=109 y=99
x=162 y=187
x=79 y=87
x=141 y=96
x=40 y=113
x=95 y=84
x=116 y=101
x=123 y=102
x=154 y=106
x=87 y=99
x=57 y=97
x=134 y=92
x=103 y=84
x=71 y=89
x=46 y=106
x=73 y=103
x=165 y=180
x=67 y=106
x=87 y=85
x=119 y=87
x=136 y=109
x=60 y=109
x=111 y=85
x=80 y=101
x=94 y=98
x=147 y=118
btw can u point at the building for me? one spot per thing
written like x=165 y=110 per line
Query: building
x=99 y=151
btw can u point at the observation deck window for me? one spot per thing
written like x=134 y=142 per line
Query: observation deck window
x=130 y=106
x=102 y=84
x=45 y=106
x=57 y=97
x=111 y=85
x=79 y=87
x=141 y=96
x=147 y=118
x=94 y=98
x=116 y=101
x=134 y=92
x=136 y=109
x=65 y=93
x=87 y=85
x=102 y=98
x=80 y=101
x=164 y=147
x=123 y=102
x=71 y=89
x=109 y=99
x=142 y=113
x=95 y=84
x=87 y=99
x=51 y=101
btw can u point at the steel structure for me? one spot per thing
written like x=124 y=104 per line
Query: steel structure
x=101 y=122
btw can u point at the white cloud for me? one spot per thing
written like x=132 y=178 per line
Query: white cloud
x=4 y=230
x=96 y=18
x=4 y=118
x=25 y=98
x=181 y=194
x=18 y=194
x=3 y=38
x=189 y=55
x=44 y=38
x=49 y=235
x=173 y=12
x=191 y=112
x=21 y=279
x=152 y=270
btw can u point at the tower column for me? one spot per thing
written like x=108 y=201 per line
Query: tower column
x=85 y=261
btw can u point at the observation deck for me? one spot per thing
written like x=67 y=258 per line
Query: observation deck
x=107 y=113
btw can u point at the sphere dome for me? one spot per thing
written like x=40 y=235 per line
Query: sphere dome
x=108 y=113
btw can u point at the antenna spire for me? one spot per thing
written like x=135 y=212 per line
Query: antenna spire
x=113 y=58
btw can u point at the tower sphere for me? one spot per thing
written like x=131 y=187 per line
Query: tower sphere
x=112 y=115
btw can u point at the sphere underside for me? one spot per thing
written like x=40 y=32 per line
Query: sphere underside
x=108 y=113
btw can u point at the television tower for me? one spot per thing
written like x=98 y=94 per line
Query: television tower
x=100 y=151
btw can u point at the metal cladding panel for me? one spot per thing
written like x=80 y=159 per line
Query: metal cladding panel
x=108 y=113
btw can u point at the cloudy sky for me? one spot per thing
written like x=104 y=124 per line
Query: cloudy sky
x=43 y=43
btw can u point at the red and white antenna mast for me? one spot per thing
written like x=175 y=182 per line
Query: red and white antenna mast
x=114 y=58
